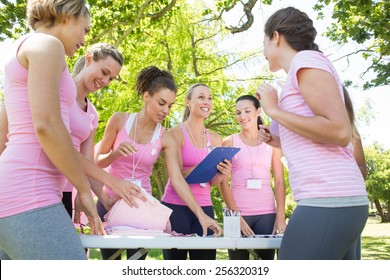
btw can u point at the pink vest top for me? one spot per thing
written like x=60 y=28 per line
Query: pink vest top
x=28 y=178
x=252 y=162
x=81 y=125
x=191 y=156
x=315 y=169
x=146 y=156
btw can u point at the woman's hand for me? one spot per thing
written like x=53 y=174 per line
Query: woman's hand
x=84 y=203
x=245 y=229
x=128 y=191
x=124 y=149
x=208 y=223
x=280 y=225
x=268 y=97
x=225 y=167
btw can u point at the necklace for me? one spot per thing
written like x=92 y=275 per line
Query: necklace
x=139 y=159
x=254 y=162
x=197 y=149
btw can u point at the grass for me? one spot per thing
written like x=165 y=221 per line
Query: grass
x=375 y=244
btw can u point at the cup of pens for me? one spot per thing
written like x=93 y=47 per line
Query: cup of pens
x=231 y=223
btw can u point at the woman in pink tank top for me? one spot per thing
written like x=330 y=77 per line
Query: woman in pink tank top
x=194 y=141
x=38 y=94
x=132 y=143
x=96 y=69
x=315 y=135
x=250 y=192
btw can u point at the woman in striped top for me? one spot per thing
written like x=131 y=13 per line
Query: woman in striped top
x=314 y=132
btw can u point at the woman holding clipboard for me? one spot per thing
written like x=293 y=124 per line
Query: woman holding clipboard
x=194 y=141
x=250 y=191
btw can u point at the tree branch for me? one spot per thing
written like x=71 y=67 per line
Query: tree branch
x=248 y=7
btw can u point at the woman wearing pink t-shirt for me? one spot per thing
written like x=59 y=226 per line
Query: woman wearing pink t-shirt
x=194 y=142
x=96 y=69
x=250 y=191
x=315 y=136
x=38 y=94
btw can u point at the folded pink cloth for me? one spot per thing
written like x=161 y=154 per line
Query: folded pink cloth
x=150 y=215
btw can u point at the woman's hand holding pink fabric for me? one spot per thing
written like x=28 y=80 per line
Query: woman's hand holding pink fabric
x=128 y=191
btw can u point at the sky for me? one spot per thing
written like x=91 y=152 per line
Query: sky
x=253 y=38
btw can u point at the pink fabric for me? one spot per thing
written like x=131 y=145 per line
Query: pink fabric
x=315 y=169
x=252 y=201
x=190 y=158
x=28 y=178
x=122 y=167
x=150 y=215
x=81 y=125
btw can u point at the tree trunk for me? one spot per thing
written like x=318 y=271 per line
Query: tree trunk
x=385 y=218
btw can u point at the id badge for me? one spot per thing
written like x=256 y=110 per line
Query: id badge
x=253 y=184
x=136 y=182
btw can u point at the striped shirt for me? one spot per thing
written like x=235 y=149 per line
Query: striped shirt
x=315 y=169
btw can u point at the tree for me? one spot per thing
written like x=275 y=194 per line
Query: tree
x=367 y=23
x=378 y=180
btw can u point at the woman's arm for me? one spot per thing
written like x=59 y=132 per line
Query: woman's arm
x=280 y=190
x=104 y=154
x=3 y=128
x=330 y=123
x=171 y=146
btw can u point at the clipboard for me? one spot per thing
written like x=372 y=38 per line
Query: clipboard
x=207 y=168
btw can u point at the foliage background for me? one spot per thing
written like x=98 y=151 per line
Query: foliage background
x=189 y=39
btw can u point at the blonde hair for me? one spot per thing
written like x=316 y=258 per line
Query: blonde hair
x=98 y=51
x=189 y=92
x=50 y=12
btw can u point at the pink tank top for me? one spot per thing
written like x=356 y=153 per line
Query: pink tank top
x=81 y=125
x=191 y=156
x=28 y=178
x=144 y=158
x=315 y=169
x=252 y=162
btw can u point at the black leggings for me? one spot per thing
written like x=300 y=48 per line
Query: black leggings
x=68 y=203
x=107 y=253
x=320 y=233
x=260 y=224
x=183 y=220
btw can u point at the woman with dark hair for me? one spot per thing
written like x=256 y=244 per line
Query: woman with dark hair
x=315 y=136
x=250 y=191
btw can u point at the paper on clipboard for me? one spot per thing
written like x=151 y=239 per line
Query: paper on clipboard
x=207 y=168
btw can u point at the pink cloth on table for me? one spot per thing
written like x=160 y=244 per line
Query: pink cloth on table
x=150 y=215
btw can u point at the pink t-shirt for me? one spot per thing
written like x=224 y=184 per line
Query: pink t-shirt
x=252 y=162
x=29 y=180
x=315 y=169
x=144 y=158
x=191 y=156
x=81 y=125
